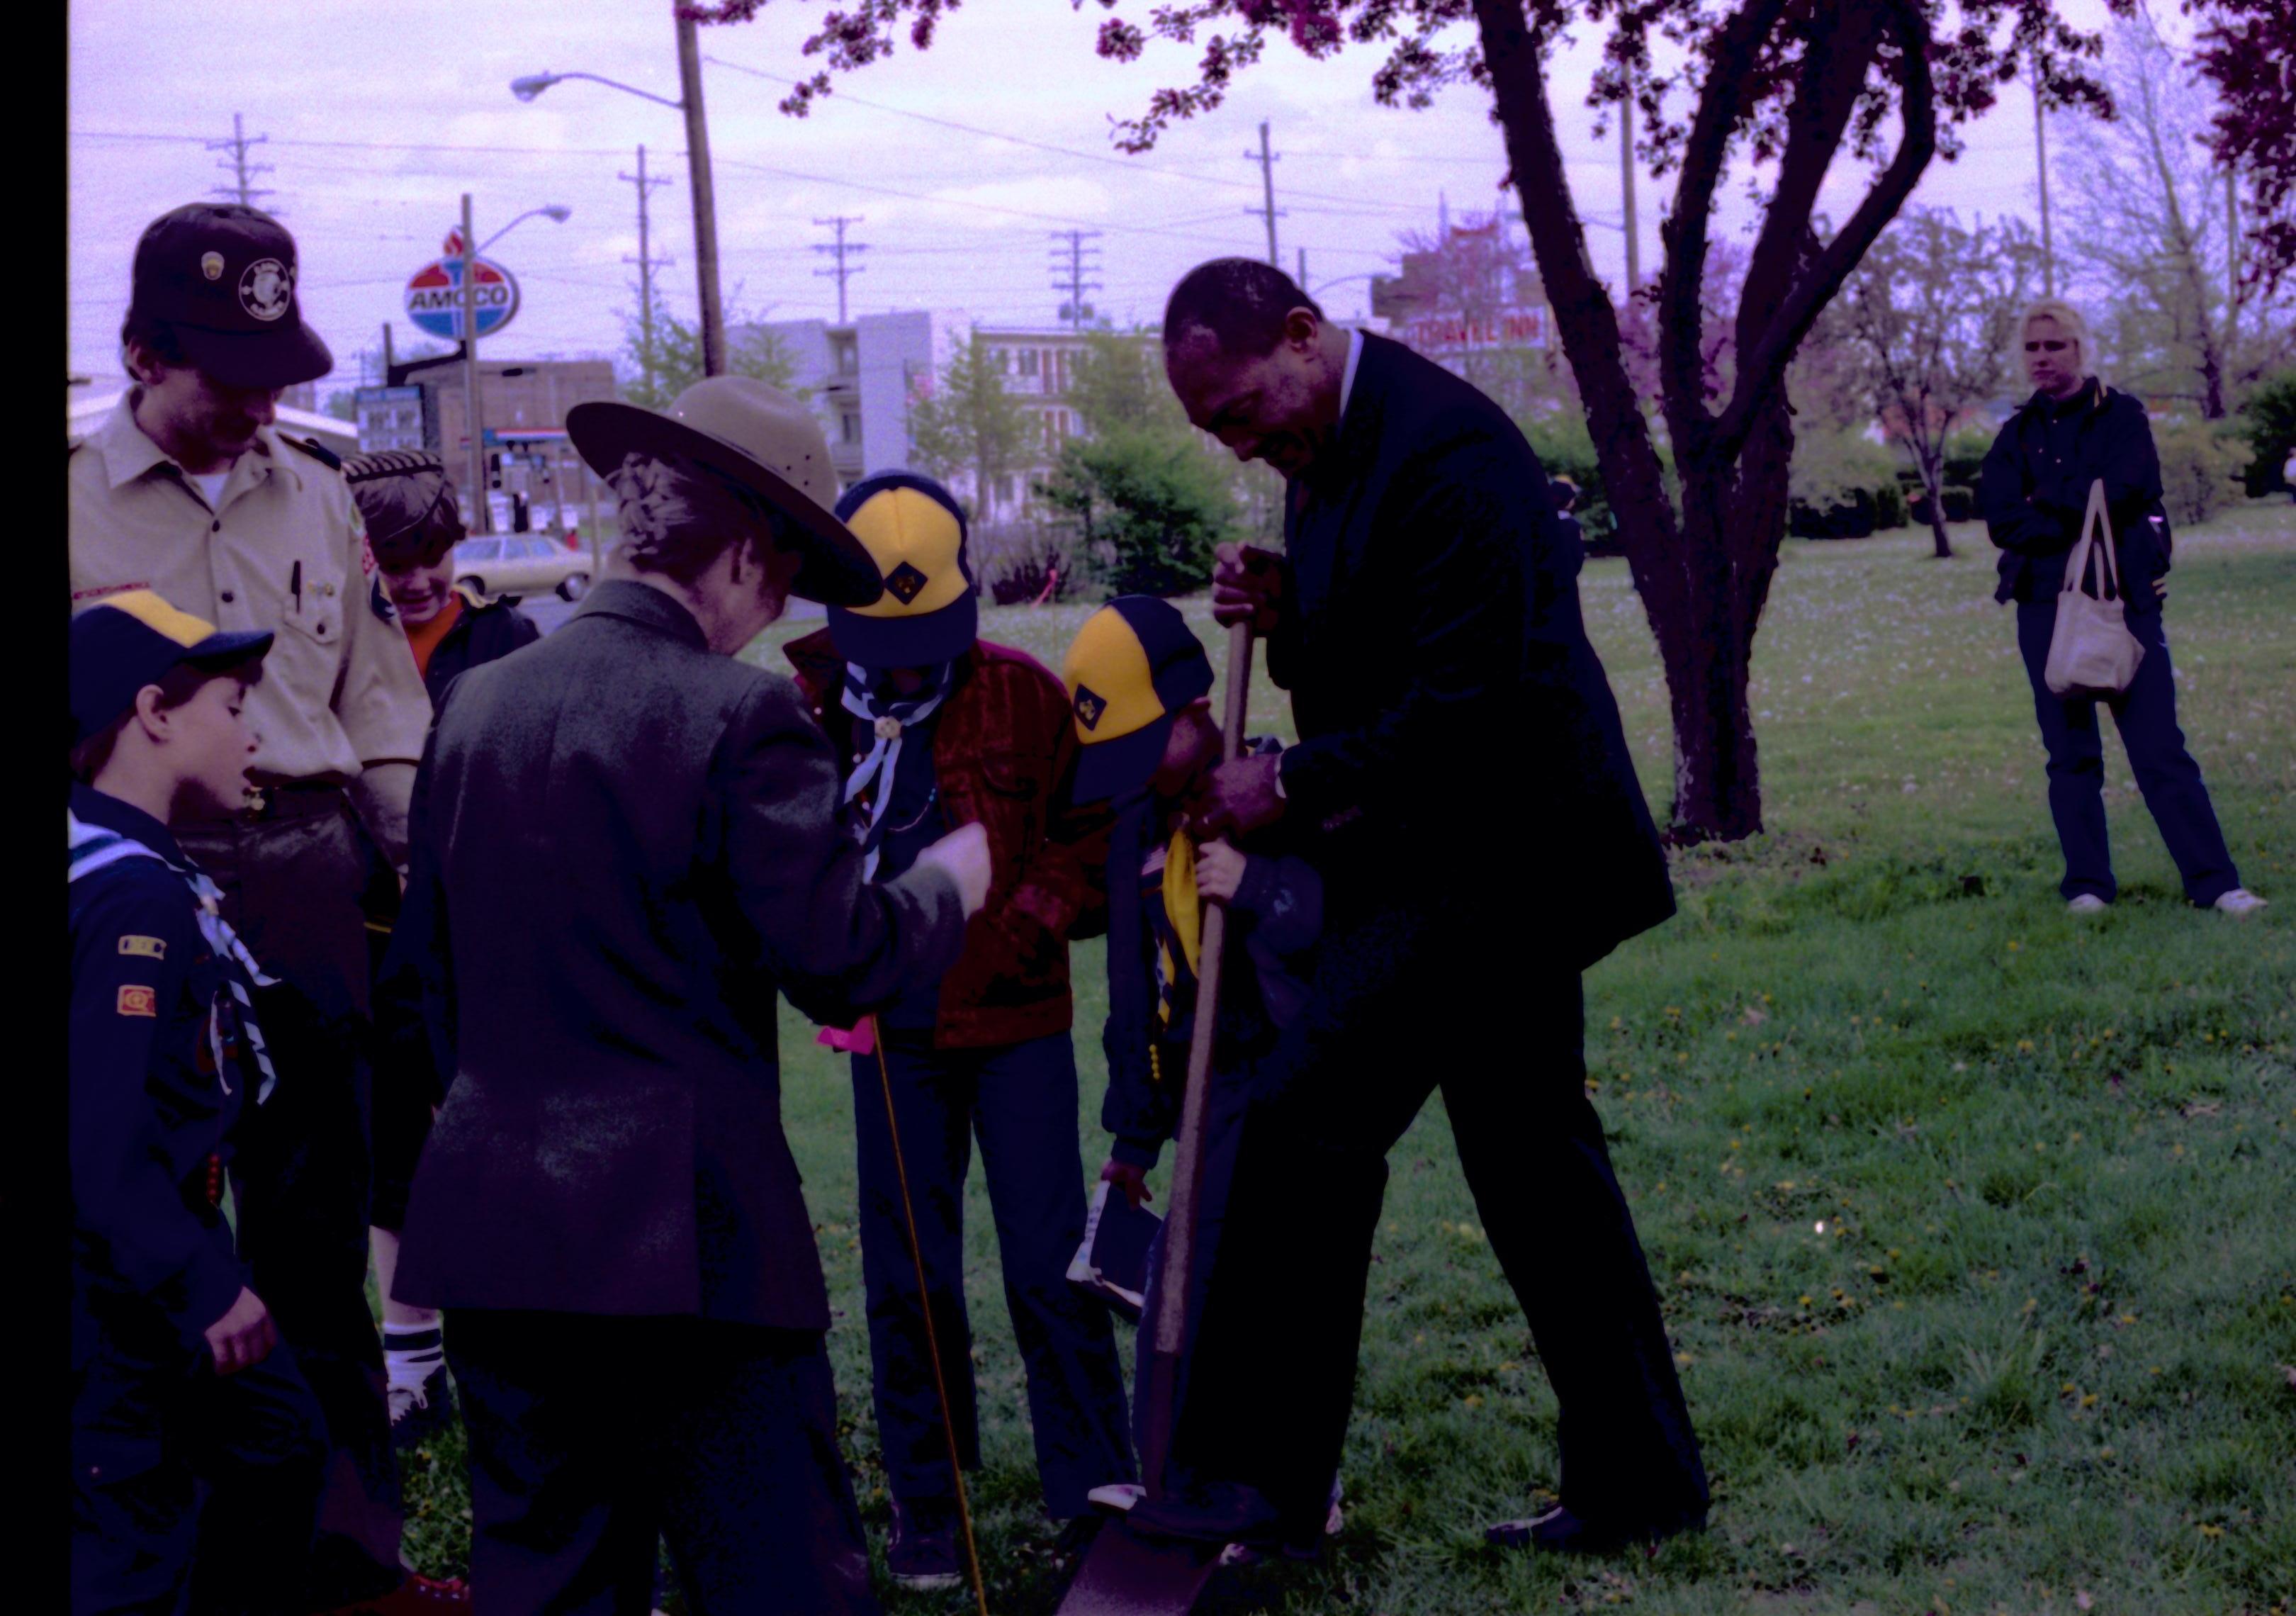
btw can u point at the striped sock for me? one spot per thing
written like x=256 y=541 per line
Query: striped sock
x=412 y=1355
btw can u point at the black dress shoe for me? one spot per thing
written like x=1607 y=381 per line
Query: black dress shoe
x=1560 y=1531
x=1218 y=1511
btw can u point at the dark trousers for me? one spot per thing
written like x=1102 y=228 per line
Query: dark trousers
x=1398 y=1009
x=191 y=1491
x=591 y=1437
x=290 y=889
x=1021 y=1100
x=2166 y=772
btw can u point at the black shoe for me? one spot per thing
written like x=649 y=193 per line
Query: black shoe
x=922 y=1554
x=1077 y=1534
x=1560 y=1531
x=1217 y=1511
x=419 y=1413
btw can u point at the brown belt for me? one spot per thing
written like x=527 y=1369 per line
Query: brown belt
x=291 y=800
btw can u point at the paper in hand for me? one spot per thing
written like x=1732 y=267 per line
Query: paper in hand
x=1112 y=1261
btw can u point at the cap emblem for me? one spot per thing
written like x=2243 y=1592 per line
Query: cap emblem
x=905 y=582
x=211 y=265
x=266 y=288
x=1089 y=705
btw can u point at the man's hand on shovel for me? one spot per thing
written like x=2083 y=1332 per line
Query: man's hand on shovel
x=1236 y=797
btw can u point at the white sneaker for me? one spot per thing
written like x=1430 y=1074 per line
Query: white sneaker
x=1117 y=1495
x=2240 y=900
x=2088 y=903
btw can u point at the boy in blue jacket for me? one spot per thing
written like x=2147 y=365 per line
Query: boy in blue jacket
x=1140 y=684
x=197 y=1450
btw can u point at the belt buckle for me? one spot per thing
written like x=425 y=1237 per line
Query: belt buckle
x=259 y=803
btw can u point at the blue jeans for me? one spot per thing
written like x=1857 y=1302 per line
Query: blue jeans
x=2166 y=772
x=1021 y=1100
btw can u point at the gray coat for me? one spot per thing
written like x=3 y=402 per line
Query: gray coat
x=624 y=848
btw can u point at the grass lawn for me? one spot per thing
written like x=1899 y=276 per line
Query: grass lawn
x=1971 y=1222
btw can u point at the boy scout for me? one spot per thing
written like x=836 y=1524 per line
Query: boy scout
x=937 y=727
x=189 y=490
x=196 y=1445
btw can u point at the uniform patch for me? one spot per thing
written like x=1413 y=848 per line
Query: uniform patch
x=905 y=582
x=144 y=948
x=137 y=1000
x=211 y=265
x=1089 y=705
x=266 y=288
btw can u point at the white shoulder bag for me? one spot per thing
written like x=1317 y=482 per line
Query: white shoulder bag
x=2091 y=651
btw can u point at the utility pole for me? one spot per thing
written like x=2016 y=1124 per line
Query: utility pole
x=2041 y=164
x=242 y=188
x=646 y=263
x=1303 y=269
x=841 y=273
x=705 y=198
x=1073 y=282
x=1267 y=161
x=475 y=466
x=1627 y=184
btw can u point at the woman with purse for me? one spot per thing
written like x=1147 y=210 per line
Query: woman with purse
x=2074 y=470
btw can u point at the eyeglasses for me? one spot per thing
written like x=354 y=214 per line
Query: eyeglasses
x=2056 y=345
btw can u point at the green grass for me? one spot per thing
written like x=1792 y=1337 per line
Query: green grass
x=1971 y=1223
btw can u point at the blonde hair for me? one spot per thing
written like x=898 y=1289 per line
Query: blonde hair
x=2068 y=321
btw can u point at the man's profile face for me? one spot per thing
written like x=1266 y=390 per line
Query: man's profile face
x=1275 y=406
x=200 y=412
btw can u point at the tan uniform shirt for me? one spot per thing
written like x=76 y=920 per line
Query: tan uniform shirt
x=283 y=549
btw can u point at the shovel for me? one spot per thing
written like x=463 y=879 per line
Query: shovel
x=1126 y=1573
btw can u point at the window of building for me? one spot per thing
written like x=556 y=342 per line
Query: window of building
x=849 y=427
x=847 y=358
x=1027 y=361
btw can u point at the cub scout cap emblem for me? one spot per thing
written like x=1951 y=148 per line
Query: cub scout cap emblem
x=266 y=288
x=137 y=1000
x=211 y=265
x=1089 y=706
x=146 y=947
x=905 y=583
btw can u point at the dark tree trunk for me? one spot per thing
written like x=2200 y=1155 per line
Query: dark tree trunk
x=1933 y=483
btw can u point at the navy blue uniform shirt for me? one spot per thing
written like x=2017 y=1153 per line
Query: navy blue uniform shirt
x=152 y=1109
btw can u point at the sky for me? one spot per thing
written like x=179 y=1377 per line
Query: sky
x=379 y=117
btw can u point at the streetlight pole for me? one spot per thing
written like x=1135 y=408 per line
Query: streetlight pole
x=705 y=199
x=474 y=466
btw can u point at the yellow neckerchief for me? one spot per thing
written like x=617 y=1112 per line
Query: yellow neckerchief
x=1183 y=913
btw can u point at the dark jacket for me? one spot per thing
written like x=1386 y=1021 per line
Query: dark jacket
x=153 y=1112
x=1458 y=736
x=487 y=632
x=1003 y=743
x=1274 y=923
x=623 y=846
x=2033 y=492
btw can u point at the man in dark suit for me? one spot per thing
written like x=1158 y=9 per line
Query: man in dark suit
x=628 y=842
x=1483 y=840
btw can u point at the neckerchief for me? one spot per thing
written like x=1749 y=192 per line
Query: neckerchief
x=91 y=848
x=889 y=716
x=1183 y=920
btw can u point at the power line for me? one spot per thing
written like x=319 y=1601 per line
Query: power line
x=1076 y=285
x=242 y=190
x=841 y=248
x=646 y=262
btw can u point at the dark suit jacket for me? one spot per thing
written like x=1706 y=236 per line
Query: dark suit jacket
x=1458 y=736
x=622 y=846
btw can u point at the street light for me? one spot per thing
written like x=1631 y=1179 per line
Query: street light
x=697 y=150
x=552 y=211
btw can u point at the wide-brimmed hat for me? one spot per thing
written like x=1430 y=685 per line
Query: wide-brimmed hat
x=760 y=438
x=1133 y=665
x=222 y=276
x=915 y=532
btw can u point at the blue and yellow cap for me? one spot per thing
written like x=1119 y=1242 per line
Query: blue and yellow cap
x=1133 y=664
x=125 y=642
x=914 y=530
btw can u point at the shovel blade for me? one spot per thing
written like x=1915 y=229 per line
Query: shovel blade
x=1126 y=1573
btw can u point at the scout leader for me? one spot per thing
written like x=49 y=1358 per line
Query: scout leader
x=196 y=1445
x=939 y=728
x=188 y=489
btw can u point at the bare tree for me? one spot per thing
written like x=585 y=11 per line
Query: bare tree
x=1932 y=313
x=2149 y=219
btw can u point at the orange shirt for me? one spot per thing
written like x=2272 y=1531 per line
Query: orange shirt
x=423 y=637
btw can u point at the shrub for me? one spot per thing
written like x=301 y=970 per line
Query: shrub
x=2268 y=419
x=1013 y=560
x=1565 y=449
x=1844 y=485
x=2200 y=471
x=1140 y=508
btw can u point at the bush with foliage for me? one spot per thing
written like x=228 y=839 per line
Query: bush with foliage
x=2268 y=420
x=2200 y=469
x=1844 y=485
x=1140 y=509
x=1013 y=561
x=1566 y=449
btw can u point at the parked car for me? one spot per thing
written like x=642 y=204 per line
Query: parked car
x=522 y=564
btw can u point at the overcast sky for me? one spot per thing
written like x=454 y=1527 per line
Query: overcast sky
x=379 y=116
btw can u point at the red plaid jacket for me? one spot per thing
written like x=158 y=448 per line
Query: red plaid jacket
x=1003 y=744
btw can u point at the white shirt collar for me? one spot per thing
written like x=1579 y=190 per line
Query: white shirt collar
x=1348 y=376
